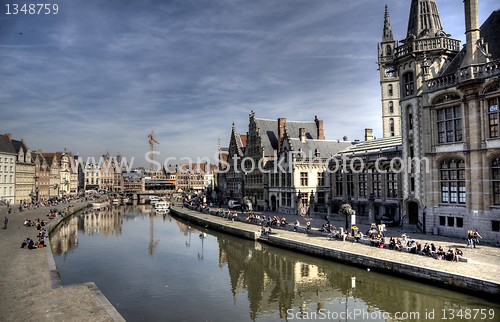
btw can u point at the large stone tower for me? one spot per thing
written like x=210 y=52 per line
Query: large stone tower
x=424 y=54
x=389 y=82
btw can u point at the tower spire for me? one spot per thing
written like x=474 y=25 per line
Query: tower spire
x=387 y=35
x=424 y=20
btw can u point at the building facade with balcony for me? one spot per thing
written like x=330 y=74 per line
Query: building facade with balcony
x=449 y=97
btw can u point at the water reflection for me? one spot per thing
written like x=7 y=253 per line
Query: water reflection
x=212 y=276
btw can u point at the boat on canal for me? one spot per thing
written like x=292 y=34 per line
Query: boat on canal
x=162 y=206
x=100 y=204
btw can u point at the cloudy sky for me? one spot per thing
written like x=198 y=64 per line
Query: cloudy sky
x=100 y=75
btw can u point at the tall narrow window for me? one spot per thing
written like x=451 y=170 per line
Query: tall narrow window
x=388 y=50
x=449 y=124
x=390 y=90
x=392 y=184
x=362 y=183
x=376 y=185
x=391 y=126
x=350 y=184
x=452 y=179
x=321 y=179
x=493 y=117
x=409 y=84
x=495 y=178
x=338 y=183
x=391 y=107
x=410 y=121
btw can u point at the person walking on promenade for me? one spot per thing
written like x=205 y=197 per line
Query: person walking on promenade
x=475 y=239
x=5 y=222
x=9 y=211
x=470 y=236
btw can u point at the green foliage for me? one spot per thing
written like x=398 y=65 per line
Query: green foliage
x=346 y=210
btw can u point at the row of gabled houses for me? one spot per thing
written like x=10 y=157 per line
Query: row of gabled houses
x=28 y=176
x=292 y=168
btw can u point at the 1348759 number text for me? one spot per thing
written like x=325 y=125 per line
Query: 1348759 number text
x=32 y=9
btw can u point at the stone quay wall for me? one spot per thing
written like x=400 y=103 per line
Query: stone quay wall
x=446 y=279
x=222 y=227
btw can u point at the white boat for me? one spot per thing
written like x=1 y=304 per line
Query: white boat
x=154 y=199
x=125 y=201
x=116 y=201
x=162 y=205
x=100 y=204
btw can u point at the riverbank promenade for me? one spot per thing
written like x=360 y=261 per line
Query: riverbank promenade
x=27 y=290
x=482 y=266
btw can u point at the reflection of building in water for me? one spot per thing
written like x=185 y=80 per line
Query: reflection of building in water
x=273 y=281
x=106 y=222
x=278 y=280
x=66 y=237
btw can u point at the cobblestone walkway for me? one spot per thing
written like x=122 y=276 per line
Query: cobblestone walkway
x=26 y=293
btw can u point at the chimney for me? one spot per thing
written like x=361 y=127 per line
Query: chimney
x=8 y=136
x=281 y=130
x=302 y=135
x=319 y=128
x=471 y=32
x=368 y=134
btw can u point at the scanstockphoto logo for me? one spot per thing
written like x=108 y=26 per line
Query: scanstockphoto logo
x=282 y=163
x=286 y=162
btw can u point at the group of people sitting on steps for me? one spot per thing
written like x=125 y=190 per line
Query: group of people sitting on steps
x=42 y=233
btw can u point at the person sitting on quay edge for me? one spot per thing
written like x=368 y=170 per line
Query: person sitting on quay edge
x=308 y=227
x=359 y=236
x=450 y=255
x=440 y=254
x=392 y=243
x=426 y=250
x=458 y=254
x=297 y=225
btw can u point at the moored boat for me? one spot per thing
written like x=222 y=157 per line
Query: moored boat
x=162 y=206
x=100 y=204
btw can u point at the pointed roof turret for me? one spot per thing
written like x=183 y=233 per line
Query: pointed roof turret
x=387 y=35
x=424 y=20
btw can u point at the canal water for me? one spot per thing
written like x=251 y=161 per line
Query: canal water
x=157 y=268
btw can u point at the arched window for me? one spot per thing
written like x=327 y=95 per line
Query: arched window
x=391 y=126
x=388 y=50
x=409 y=84
x=389 y=88
x=495 y=178
x=391 y=107
x=452 y=180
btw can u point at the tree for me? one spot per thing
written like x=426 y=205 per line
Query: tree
x=347 y=211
